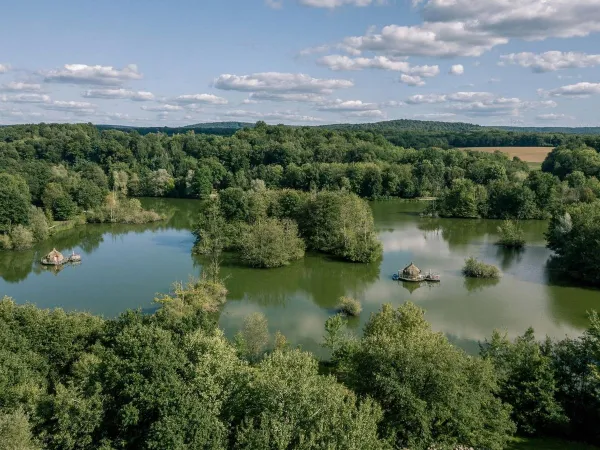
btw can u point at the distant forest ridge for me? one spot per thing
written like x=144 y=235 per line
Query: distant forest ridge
x=229 y=128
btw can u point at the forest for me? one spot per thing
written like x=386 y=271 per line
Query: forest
x=56 y=173
x=171 y=379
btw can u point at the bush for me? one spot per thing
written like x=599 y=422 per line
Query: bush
x=477 y=269
x=350 y=306
x=21 y=237
x=38 y=224
x=271 y=243
x=5 y=243
x=511 y=235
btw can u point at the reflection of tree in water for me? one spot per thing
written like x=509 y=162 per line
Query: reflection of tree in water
x=324 y=281
x=509 y=256
x=479 y=284
x=568 y=300
x=410 y=287
x=458 y=233
x=181 y=214
x=15 y=266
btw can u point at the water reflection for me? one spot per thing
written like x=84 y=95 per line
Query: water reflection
x=124 y=267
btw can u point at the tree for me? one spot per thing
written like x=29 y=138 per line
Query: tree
x=254 y=337
x=15 y=432
x=431 y=392
x=270 y=243
x=202 y=184
x=15 y=201
x=527 y=382
x=464 y=199
x=212 y=237
x=574 y=235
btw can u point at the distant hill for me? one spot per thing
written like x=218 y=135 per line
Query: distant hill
x=566 y=130
x=406 y=125
x=228 y=125
x=218 y=128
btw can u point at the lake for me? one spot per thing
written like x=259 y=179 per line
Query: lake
x=125 y=266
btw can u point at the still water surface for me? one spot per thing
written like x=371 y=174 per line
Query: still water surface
x=124 y=266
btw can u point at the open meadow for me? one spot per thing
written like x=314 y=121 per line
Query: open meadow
x=527 y=154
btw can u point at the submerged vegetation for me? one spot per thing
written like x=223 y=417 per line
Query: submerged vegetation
x=478 y=269
x=350 y=306
x=511 y=235
x=172 y=380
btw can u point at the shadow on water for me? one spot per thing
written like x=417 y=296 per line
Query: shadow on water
x=508 y=257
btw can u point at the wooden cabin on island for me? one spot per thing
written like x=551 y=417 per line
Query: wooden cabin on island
x=411 y=273
x=54 y=258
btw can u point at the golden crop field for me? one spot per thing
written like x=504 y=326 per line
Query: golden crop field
x=527 y=154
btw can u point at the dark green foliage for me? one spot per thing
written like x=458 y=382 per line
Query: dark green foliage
x=478 y=269
x=574 y=235
x=14 y=201
x=527 y=379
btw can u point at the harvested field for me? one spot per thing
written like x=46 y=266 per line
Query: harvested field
x=528 y=154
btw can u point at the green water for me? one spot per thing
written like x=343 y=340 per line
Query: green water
x=124 y=266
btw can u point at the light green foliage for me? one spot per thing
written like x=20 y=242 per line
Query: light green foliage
x=511 y=235
x=117 y=209
x=286 y=404
x=5 y=242
x=527 y=382
x=350 y=306
x=335 y=335
x=159 y=183
x=21 y=238
x=253 y=339
x=270 y=242
x=463 y=199
x=14 y=201
x=574 y=235
x=38 y=224
x=478 y=269
x=431 y=392
x=15 y=432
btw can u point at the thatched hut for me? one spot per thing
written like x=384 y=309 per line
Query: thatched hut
x=54 y=258
x=411 y=272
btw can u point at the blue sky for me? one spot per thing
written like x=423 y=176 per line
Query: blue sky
x=496 y=62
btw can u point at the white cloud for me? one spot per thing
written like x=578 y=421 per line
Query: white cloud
x=4 y=68
x=429 y=39
x=373 y=113
x=92 y=75
x=249 y=101
x=526 y=19
x=341 y=62
x=412 y=80
x=209 y=99
x=554 y=117
x=272 y=116
x=457 y=69
x=140 y=96
x=20 y=87
x=280 y=82
x=70 y=106
x=162 y=108
x=500 y=106
x=470 y=96
x=583 y=89
x=348 y=105
x=312 y=50
x=419 y=99
x=290 y=97
x=26 y=98
x=551 y=61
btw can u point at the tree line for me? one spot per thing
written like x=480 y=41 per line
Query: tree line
x=172 y=380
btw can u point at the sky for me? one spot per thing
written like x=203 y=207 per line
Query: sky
x=304 y=62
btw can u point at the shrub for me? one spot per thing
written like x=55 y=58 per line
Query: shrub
x=38 y=224
x=21 y=237
x=477 y=269
x=511 y=235
x=350 y=306
x=5 y=243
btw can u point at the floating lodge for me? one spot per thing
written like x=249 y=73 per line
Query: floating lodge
x=56 y=258
x=413 y=274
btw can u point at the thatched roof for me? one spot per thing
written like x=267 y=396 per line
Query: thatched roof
x=411 y=270
x=55 y=254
